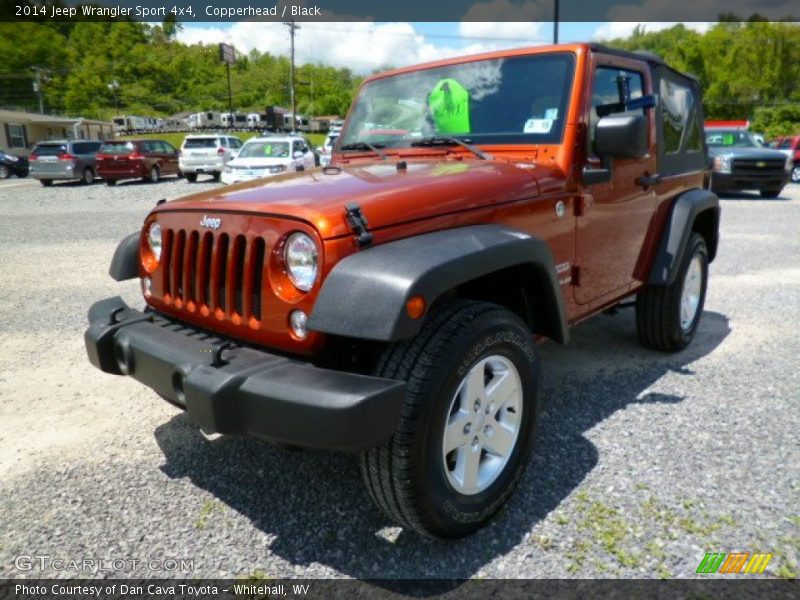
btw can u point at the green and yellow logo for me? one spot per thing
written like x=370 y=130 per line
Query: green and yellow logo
x=735 y=562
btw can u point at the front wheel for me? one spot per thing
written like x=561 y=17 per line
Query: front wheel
x=153 y=176
x=466 y=429
x=796 y=174
x=5 y=172
x=667 y=316
x=191 y=177
x=111 y=182
x=771 y=192
x=217 y=176
x=88 y=177
x=46 y=182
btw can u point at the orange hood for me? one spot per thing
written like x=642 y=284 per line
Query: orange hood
x=387 y=195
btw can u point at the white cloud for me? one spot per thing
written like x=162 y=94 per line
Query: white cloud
x=362 y=46
x=621 y=29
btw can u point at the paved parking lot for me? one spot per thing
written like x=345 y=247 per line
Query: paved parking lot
x=644 y=461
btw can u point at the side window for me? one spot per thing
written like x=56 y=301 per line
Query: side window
x=678 y=118
x=612 y=89
x=236 y=143
x=148 y=147
x=785 y=144
x=79 y=149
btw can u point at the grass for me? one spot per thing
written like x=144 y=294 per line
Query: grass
x=176 y=139
x=208 y=509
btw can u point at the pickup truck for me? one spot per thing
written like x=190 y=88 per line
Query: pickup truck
x=390 y=304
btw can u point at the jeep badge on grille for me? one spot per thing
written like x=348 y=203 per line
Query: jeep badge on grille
x=210 y=223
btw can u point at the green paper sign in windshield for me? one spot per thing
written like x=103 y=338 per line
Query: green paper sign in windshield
x=449 y=104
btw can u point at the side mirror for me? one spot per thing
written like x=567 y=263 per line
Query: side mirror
x=299 y=154
x=617 y=136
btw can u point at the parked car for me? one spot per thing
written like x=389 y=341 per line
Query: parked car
x=207 y=154
x=136 y=159
x=326 y=150
x=740 y=162
x=11 y=164
x=267 y=156
x=390 y=306
x=790 y=146
x=64 y=160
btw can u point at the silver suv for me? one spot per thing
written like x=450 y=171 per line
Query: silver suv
x=208 y=153
x=64 y=159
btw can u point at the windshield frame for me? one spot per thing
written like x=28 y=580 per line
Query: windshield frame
x=510 y=139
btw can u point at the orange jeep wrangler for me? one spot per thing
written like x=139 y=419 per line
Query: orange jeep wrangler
x=389 y=304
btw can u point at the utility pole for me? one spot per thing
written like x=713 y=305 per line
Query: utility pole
x=114 y=86
x=37 y=87
x=293 y=27
x=555 y=21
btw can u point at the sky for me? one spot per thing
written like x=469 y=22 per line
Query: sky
x=366 y=46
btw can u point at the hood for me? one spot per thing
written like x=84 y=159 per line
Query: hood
x=257 y=162
x=387 y=195
x=754 y=153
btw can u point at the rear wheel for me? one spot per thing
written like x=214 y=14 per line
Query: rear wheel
x=46 y=182
x=88 y=176
x=191 y=177
x=464 y=436
x=771 y=192
x=667 y=315
x=796 y=174
x=154 y=175
x=217 y=176
x=5 y=172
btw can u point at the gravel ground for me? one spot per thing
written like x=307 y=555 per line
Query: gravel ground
x=644 y=461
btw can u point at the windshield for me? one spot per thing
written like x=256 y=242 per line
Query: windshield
x=190 y=143
x=116 y=148
x=516 y=100
x=265 y=149
x=49 y=149
x=731 y=139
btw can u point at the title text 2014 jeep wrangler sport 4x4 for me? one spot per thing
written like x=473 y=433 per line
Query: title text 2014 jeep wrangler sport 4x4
x=388 y=304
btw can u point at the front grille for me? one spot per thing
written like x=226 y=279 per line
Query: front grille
x=753 y=167
x=213 y=273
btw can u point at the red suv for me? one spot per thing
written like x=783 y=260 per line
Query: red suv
x=132 y=159
x=790 y=145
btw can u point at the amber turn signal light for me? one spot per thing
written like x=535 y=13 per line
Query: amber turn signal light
x=415 y=307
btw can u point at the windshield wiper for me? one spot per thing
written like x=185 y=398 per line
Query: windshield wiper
x=445 y=140
x=362 y=145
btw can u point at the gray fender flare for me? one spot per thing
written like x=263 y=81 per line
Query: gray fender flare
x=125 y=264
x=365 y=294
x=675 y=238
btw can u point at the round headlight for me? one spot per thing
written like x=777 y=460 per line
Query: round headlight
x=300 y=257
x=154 y=240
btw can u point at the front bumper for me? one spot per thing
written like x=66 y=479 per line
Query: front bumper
x=748 y=181
x=231 y=389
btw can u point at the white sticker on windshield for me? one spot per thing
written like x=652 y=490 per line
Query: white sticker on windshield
x=538 y=126
x=551 y=113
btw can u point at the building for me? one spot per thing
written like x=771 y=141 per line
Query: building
x=19 y=131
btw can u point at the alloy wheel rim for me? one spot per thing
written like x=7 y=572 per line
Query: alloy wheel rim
x=690 y=296
x=796 y=174
x=483 y=424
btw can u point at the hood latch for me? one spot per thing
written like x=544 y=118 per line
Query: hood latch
x=358 y=224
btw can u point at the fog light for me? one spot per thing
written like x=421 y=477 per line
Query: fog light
x=147 y=286
x=298 y=321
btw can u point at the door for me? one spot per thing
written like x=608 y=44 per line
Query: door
x=169 y=157
x=611 y=232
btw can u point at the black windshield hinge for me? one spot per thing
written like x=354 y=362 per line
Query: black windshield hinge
x=358 y=224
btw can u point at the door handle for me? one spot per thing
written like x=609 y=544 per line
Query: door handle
x=648 y=180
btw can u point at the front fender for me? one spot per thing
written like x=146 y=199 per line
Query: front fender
x=365 y=294
x=125 y=264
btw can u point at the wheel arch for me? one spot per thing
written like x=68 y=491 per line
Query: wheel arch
x=125 y=263
x=694 y=210
x=365 y=294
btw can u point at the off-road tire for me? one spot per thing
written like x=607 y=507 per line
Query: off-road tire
x=87 y=178
x=191 y=177
x=771 y=192
x=5 y=172
x=658 y=307
x=111 y=182
x=46 y=182
x=405 y=477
